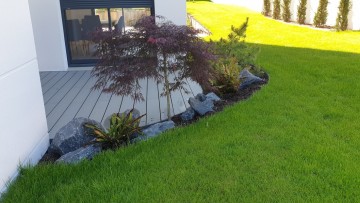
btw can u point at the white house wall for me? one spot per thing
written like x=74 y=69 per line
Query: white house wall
x=23 y=135
x=312 y=5
x=173 y=10
x=49 y=34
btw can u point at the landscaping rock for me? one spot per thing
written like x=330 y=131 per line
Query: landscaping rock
x=76 y=156
x=212 y=96
x=201 y=97
x=136 y=114
x=248 y=79
x=201 y=107
x=73 y=136
x=154 y=130
x=188 y=114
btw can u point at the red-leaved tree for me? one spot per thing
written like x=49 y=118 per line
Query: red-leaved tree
x=155 y=50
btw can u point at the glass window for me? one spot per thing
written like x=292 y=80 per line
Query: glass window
x=81 y=23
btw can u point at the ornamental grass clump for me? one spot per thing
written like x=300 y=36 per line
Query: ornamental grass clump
x=342 y=18
x=122 y=127
x=301 y=12
x=159 y=50
x=321 y=14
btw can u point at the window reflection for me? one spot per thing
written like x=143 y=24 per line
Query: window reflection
x=80 y=23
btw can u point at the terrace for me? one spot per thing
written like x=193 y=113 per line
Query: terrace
x=67 y=95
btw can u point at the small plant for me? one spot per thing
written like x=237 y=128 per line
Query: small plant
x=122 y=127
x=301 y=14
x=321 y=14
x=286 y=15
x=267 y=8
x=227 y=75
x=342 y=18
x=277 y=10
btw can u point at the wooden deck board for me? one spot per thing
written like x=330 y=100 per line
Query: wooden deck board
x=53 y=82
x=153 y=111
x=113 y=106
x=99 y=109
x=63 y=92
x=68 y=95
x=47 y=79
x=73 y=108
x=141 y=105
x=58 y=111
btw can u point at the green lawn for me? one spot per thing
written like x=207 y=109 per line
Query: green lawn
x=296 y=140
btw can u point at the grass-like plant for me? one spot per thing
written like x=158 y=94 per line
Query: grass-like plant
x=122 y=127
x=227 y=75
x=277 y=10
x=267 y=8
x=301 y=12
x=321 y=14
x=342 y=18
x=286 y=15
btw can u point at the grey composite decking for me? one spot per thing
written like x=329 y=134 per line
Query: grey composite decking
x=67 y=95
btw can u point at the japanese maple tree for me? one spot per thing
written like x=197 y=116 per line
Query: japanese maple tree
x=154 y=48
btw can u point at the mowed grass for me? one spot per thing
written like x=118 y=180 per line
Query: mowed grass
x=295 y=140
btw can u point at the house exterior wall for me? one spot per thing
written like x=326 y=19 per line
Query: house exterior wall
x=49 y=34
x=23 y=135
x=173 y=10
x=312 y=5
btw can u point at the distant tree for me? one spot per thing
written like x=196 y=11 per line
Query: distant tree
x=267 y=8
x=277 y=10
x=151 y=50
x=301 y=13
x=321 y=14
x=286 y=15
x=342 y=18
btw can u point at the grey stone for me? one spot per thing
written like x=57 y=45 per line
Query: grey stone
x=188 y=114
x=106 y=123
x=248 y=79
x=76 y=156
x=212 y=96
x=73 y=136
x=201 y=107
x=201 y=97
x=154 y=130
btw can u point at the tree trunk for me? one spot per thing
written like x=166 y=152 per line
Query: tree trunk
x=167 y=86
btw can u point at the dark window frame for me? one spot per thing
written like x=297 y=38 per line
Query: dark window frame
x=94 y=4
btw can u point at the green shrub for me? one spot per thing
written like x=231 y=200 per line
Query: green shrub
x=122 y=126
x=286 y=15
x=233 y=55
x=267 y=8
x=321 y=14
x=301 y=12
x=342 y=18
x=277 y=10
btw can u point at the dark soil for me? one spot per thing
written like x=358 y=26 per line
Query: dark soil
x=226 y=100
x=49 y=157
